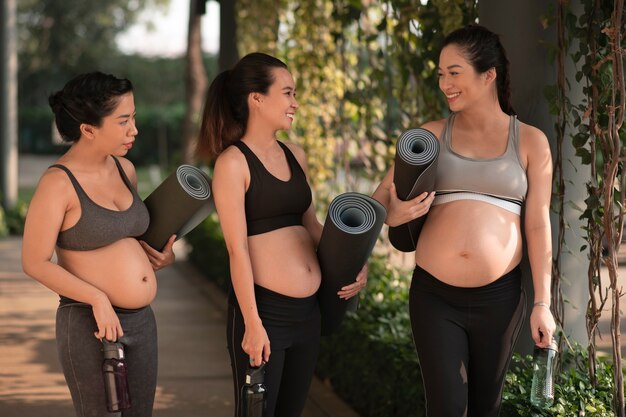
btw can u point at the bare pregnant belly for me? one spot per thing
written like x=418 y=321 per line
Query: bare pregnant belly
x=121 y=270
x=469 y=243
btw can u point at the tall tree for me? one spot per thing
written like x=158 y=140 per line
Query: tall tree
x=195 y=80
x=228 y=35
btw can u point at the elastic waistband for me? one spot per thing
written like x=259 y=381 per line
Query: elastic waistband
x=507 y=287
x=66 y=302
x=279 y=307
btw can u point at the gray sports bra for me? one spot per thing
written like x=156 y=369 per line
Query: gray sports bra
x=99 y=226
x=500 y=181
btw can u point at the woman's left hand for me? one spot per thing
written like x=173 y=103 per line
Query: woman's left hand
x=353 y=289
x=542 y=325
x=160 y=259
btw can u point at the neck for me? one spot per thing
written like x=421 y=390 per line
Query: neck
x=482 y=117
x=84 y=155
x=260 y=135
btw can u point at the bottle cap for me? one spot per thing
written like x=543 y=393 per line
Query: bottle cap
x=255 y=374
x=553 y=345
x=112 y=350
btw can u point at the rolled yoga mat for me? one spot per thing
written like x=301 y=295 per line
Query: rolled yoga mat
x=351 y=229
x=181 y=202
x=414 y=172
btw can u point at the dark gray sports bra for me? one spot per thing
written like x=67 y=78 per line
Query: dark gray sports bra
x=99 y=226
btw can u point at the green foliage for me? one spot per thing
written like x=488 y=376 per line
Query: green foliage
x=593 y=38
x=574 y=394
x=208 y=251
x=12 y=220
x=57 y=40
x=4 y=230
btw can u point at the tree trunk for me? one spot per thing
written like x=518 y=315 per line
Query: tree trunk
x=195 y=84
x=228 y=36
x=8 y=103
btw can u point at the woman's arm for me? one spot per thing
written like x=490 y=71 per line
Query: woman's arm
x=44 y=220
x=537 y=230
x=230 y=179
x=398 y=211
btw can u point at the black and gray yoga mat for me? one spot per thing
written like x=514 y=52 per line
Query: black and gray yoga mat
x=414 y=172
x=181 y=202
x=351 y=229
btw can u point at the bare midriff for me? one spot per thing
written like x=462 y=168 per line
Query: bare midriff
x=469 y=243
x=121 y=270
x=284 y=261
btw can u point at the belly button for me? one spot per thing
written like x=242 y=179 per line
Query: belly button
x=145 y=279
x=464 y=255
x=308 y=268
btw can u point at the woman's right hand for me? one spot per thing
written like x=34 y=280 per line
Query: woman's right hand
x=109 y=326
x=400 y=212
x=256 y=343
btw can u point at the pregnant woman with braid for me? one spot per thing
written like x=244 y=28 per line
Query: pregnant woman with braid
x=87 y=210
x=466 y=301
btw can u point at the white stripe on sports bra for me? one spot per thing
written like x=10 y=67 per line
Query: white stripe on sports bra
x=513 y=207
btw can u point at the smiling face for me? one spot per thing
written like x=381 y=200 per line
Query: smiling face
x=279 y=105
x=117 y=132
x=460 y=82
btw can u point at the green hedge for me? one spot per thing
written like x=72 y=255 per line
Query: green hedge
x=371 y=363
x=158 y=139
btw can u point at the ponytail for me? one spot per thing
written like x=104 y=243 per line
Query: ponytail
x=219 y=127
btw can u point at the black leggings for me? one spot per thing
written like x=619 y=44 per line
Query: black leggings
x=293 y=327
x=464 y=338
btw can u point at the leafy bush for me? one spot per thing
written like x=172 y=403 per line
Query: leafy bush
x=12 y=220
x=4 y=230
x=574 y=395
x=208 y=251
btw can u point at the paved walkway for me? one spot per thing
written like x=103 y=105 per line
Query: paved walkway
x=194 y=373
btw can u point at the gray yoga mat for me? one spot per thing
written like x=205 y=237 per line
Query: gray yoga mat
x=414 y=172
x=180 y=203
x=352 y=226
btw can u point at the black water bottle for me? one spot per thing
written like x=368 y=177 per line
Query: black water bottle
x=115 y=375
x=253 y=393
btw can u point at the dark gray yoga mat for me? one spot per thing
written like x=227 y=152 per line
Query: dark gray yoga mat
x=414 y=172
x=181 y=202
x=352 y=226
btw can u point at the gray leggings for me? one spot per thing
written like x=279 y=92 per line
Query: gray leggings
x=80 y=354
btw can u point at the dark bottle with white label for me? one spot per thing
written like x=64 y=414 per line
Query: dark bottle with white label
x=253 y=393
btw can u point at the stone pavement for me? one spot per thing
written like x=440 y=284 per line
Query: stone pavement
x=194 y=372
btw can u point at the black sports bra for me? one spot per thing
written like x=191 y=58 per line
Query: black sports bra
x=99 y=226
x=271 y=203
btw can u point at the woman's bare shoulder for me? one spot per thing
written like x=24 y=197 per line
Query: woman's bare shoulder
x=435 y=126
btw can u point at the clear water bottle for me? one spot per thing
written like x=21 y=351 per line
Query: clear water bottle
x=253 y=393
x=115 y=374
x=542 y=390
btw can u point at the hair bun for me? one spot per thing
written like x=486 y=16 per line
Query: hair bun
x=55 y=101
